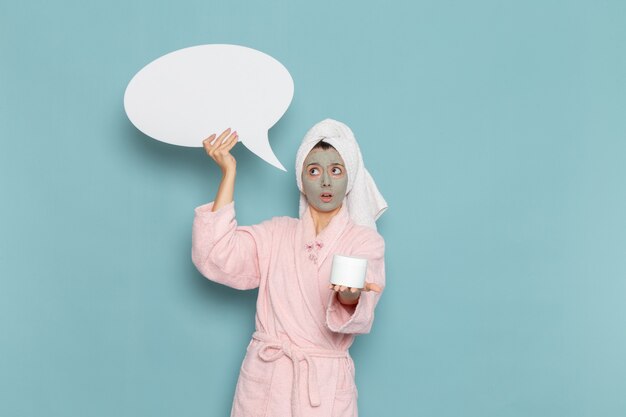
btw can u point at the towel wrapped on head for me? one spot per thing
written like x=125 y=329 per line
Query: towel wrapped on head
x=364 y=202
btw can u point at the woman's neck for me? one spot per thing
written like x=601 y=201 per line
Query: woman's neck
x=321 y=219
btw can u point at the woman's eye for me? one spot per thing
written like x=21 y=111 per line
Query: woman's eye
x=314 y=171
x=336 y=171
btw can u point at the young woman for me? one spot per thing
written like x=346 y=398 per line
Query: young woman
x=297 y=363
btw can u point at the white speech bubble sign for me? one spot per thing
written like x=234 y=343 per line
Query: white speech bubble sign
x=184 y=96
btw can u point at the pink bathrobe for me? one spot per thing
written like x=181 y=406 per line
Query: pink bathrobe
x=297 y=363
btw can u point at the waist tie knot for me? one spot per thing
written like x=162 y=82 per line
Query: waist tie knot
x=272 y=349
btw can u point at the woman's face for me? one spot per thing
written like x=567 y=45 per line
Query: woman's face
x=324 y=179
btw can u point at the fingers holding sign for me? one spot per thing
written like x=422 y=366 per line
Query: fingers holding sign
x=219 y=149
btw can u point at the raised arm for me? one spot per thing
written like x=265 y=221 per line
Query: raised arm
x=221 y=250
x=219 y=150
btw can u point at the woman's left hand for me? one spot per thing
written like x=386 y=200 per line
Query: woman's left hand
x=350 y=295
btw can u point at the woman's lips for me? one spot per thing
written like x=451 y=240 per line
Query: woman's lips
x=326 y=197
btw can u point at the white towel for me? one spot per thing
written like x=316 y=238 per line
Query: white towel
x=364 y=202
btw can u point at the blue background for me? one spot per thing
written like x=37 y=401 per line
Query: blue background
x=496 y=130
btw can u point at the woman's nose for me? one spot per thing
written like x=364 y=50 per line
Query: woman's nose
x=325 y=179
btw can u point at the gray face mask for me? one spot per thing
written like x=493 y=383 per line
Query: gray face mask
x=324 y=179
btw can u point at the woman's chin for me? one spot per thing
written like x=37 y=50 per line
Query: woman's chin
x=325 y=208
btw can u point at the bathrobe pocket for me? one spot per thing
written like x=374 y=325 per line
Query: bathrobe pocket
x=345 y=402
x=251 y=396
x=253 y=386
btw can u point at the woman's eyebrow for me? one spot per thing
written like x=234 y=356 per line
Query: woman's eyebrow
x=332 y=163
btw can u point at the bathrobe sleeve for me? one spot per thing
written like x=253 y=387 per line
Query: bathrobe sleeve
x=358 y=319
x=224 y=252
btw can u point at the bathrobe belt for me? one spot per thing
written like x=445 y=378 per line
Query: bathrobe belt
x=273 y=349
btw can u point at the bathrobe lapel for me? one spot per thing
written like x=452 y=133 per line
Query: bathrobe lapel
x=310 y=253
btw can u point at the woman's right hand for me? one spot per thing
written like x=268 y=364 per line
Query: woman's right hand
x=219 y=150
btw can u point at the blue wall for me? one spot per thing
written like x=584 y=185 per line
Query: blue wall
x=495 y=129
